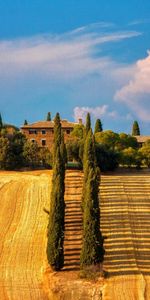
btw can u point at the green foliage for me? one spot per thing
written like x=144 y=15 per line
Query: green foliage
x=1 y=122
x=31 y=153
x=78 y=131
x=98 y=126
x=55 y=251
x=88 y=123
x=45 y=157
x=135 y=128
x=17 y=142
x=63 y=150
x=126 y=141
x=92 y=245
x=4 y=152
x=57 y=135
x=48 y=116
x=25 y=122
x=145 y=154
x=107 y=159
x=109 y=138
x=128 y=157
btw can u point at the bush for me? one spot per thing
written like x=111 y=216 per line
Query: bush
x=107 y=160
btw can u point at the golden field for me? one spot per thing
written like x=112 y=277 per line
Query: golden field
x=125 y=210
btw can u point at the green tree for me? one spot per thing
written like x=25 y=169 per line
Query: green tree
x=78 y=131
x=126 y=141
x=92 y=244
x=55 y=250
x=145 y=152
x=107 y=159
x=31 y=153
x=57 y=135
x=48 y=116
x=25 y=122
x=1 y=122
x=45 y=157
x=98 y=126
x=128 y=157
x=88 y=123
x=108 y=138
x=4 y=152
x=135 y=128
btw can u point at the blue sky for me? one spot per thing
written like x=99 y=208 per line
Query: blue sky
x=74 y=57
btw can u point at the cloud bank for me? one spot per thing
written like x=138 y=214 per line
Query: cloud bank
x=136 y=94
x=96 y=112
x=60 y=57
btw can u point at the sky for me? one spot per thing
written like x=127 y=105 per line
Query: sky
x=75 y=57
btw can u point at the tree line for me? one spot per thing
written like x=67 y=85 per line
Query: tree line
x=112 y=149
x=92 y=243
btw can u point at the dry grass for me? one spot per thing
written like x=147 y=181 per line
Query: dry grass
x=23 y=234
x=125 y=209
x=125 y=222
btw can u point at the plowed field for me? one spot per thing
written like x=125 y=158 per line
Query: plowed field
x=23 y=234
x=125 y=221
x=125 y=224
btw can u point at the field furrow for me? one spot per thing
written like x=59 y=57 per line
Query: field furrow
x=23 y=234
x=125 y=211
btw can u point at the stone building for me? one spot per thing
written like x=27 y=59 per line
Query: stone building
x=42 y=132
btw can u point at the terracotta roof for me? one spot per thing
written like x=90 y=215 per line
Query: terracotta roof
x=142 y=138
x=48 y=124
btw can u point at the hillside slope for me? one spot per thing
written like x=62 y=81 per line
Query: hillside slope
x=125 y=210
x=23 y=234
x=125 y=224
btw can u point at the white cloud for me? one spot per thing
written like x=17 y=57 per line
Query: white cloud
x=65 y=56
x=96 y=112
x=136 y=94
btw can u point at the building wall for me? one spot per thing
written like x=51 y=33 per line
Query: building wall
x=37 y=135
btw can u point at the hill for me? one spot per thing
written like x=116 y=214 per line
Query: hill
x=125 y=208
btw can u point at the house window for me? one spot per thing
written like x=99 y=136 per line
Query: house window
x=32 y=131
x=43 y=142
x=43 y=131
x=68 y=131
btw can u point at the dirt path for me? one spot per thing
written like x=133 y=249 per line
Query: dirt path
x=125 y=221
x=23 y=234
x=73 y=220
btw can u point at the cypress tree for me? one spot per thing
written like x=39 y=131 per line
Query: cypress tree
x=98 y=126
x=88 y=123
x=92 y=245
x=57 y=135
x=25 y=122
x=88 y=160
x=55 y=252
x=135 y=128
x=1 y=122
x=48 y=116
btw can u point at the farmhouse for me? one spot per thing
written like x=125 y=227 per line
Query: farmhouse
x=42 y=132
x=142 y=139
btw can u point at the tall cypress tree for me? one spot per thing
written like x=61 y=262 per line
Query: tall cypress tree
x=98 y=126
x=25 y=122
x=88 y=123
x=92 y=245
x=135 y=128
x=55 y=252
x=1 y=122
x=48 y=116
